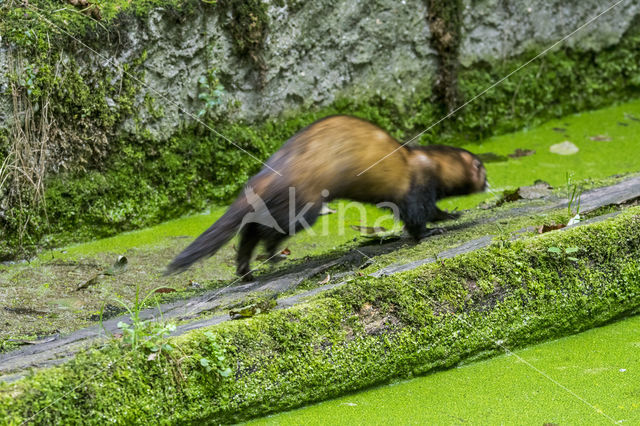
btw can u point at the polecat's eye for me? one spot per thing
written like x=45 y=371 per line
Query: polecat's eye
x=476 y=163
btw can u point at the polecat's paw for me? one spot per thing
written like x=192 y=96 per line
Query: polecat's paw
x=244 y=273
x=445 y=215
x=429 y=232
x=247 y=277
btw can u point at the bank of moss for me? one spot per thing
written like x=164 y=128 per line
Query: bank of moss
x=368 y=332
x=72 y=117
x=196 y=167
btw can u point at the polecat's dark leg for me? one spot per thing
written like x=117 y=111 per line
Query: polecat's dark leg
x=272 y=242
x=249 y=238
x=441 y=215
x=418 y=208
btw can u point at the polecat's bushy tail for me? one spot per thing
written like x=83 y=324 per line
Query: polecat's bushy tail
x=212 y=239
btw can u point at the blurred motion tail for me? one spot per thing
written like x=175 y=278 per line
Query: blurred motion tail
x=212 y=239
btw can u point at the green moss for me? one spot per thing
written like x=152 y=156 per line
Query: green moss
x=598 y=367
x=24 y=24
x=561 y=82
x=248 y=24
x=368 y=332
x=78 y=139
x=195 y=167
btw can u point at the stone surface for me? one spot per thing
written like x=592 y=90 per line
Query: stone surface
x=499 y=29
x=6 y=115
x=564 y=148
x=326 y=49
x=54 y=351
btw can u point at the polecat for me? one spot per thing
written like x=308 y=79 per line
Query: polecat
x=337 y=157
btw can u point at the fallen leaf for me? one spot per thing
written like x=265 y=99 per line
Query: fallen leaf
x=244 y=311
x=164 y=290
x=91 y=281
x=539 y=189
x=369 y=229
x=600 y=138
x=547 y=228
x=490 y=157
x=326 y=280
x=285 y=252
x=534 y=192
x=522 y=153
x=152 y=356
x=118 y=267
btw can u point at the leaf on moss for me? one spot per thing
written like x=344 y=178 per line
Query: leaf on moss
x=547 y=228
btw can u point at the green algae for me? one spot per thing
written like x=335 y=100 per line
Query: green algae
x=327 y=233
x=368 y=332
x=596 y=159
x=589 y=378
x=587 y=165
x=103 y=200
x=150 y=249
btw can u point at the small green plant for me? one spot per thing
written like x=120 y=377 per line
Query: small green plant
x=149 y=334
x=211 y=92
x=215 y=361
x=569 y=250
x=574 y=193
x=28 y=79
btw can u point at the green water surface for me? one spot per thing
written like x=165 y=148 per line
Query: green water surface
x=589 y=378
x=615 y=151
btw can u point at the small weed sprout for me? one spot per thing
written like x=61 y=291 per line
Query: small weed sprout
x=574 y=193
x=152 y=336
x=215 y=361
x=211 y=92
x=569 y=250
x=149 y=334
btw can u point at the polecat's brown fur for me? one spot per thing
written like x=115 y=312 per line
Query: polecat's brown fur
x=324 y=161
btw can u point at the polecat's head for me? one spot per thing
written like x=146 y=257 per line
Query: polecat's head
x=457 y=170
